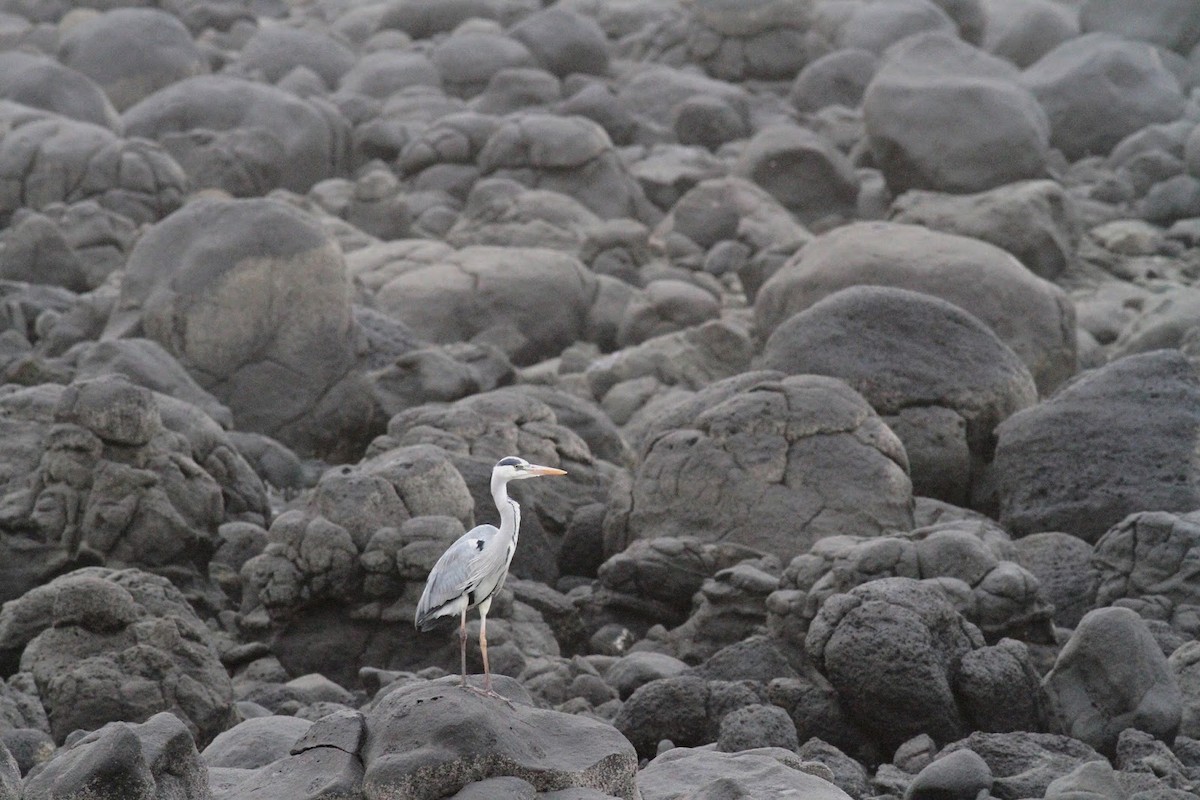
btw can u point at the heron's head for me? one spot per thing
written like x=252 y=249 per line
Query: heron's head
x=513 y=468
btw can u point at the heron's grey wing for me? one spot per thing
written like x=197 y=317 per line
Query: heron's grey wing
x=451 y=578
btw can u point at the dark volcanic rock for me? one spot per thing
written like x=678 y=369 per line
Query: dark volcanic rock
x=976 y=276
x=754 y=460
x=103 y=644
x=1024 y=763
x=941 y=378
x=429 y=739
x=1117 y=440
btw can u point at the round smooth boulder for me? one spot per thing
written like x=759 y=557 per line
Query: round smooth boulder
x=40 y=82
x=1095 y=695
x=276 y=50
x=739 y=40
x=253 y=298
x=563 y=42
x=978 y=277
x=132 y=52
x=1099 y=88
x=1172 y=24
x=838 y=78
x=243 y=136
x=1118 y=440
x=921 y=133
x=804 y=171
x=923 y=364
x=1025 y=30
x=767 y=461
x=761 y=772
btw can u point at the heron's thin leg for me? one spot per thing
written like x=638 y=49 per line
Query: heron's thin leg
x=462 y=644
x=487 y=673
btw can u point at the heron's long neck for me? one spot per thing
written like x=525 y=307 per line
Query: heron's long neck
x=510 y=512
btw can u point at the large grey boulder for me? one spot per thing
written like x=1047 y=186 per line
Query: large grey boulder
x=1142 y=562
x=529 y=302
x=429 y=739
x=1099 y=88
x=801 y=169
x=154 y=760
x=106 y=472
x=939 y=377
x=44 y=83
x=241 y=136
x=253 y=298
x=1025 y=30
x=920 y=134
x=978 y=576
x=763 y=39
x=891 y=648
x=976 y=276
x=1117 y=440
x=684 y=772
x=255 y=742
x=1096 y=696
x=132 y=52
x=1063 y=566
x=653 y=93
x=106 y=644
x=47 y=159
x=771 y=462
x=275 y=50
x=1172 y=24
x=877 y=26
x=1023 y=764
x=1036 y=221
x=571 y=155
x=563 y=41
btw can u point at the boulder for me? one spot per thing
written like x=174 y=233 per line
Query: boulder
x=105 y=644
x=1185 y=664
x=1090 y=779
x=503 y=213
x=1142 y=563
x=275 y=50
x=1062 y=564
x=1036 y=221
x=687 y=710
x=40 y=82
x=751 y=727
x=262 y=320
x=922 y=363
x=382 y=73
x=255 y=742
x=654 y=92
x=1095 y=696
x=636 y=669
x=47 y=159
x=529 y=302
x=804 y=171
x=755 y=442
x=112 y=473
x=1023 y=31
x=919 y=135
x=241 y=136
x=1099 y=88
x=430 y=739
x=762 y=39
x=10 y=775
x=147 y=761
x=765 y=772
x=132 y=52
x=1118 y=440
x=837 y=78
x=958 y=774
x=571 y=155
x=1164 y=321
x=980 y=578
x=563 y=41
x=1023 y=764
x=468 y=58
x=877 y=26
x=971 y=274
x=1172 y=24
x=421 y=19
x=891 y=647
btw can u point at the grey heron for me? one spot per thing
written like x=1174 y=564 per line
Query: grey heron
x=473 y=569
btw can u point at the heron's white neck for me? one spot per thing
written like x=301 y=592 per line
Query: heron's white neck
x=510 y=512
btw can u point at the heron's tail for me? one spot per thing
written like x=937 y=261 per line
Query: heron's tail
x=427 y=618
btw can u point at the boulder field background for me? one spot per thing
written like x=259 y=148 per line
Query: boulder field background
x=868 y=332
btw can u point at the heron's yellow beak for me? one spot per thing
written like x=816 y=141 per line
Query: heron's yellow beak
x=534 y=469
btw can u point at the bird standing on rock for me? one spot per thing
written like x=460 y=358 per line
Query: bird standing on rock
x=473 y=569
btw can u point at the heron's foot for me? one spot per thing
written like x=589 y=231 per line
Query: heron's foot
x=489 y=692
